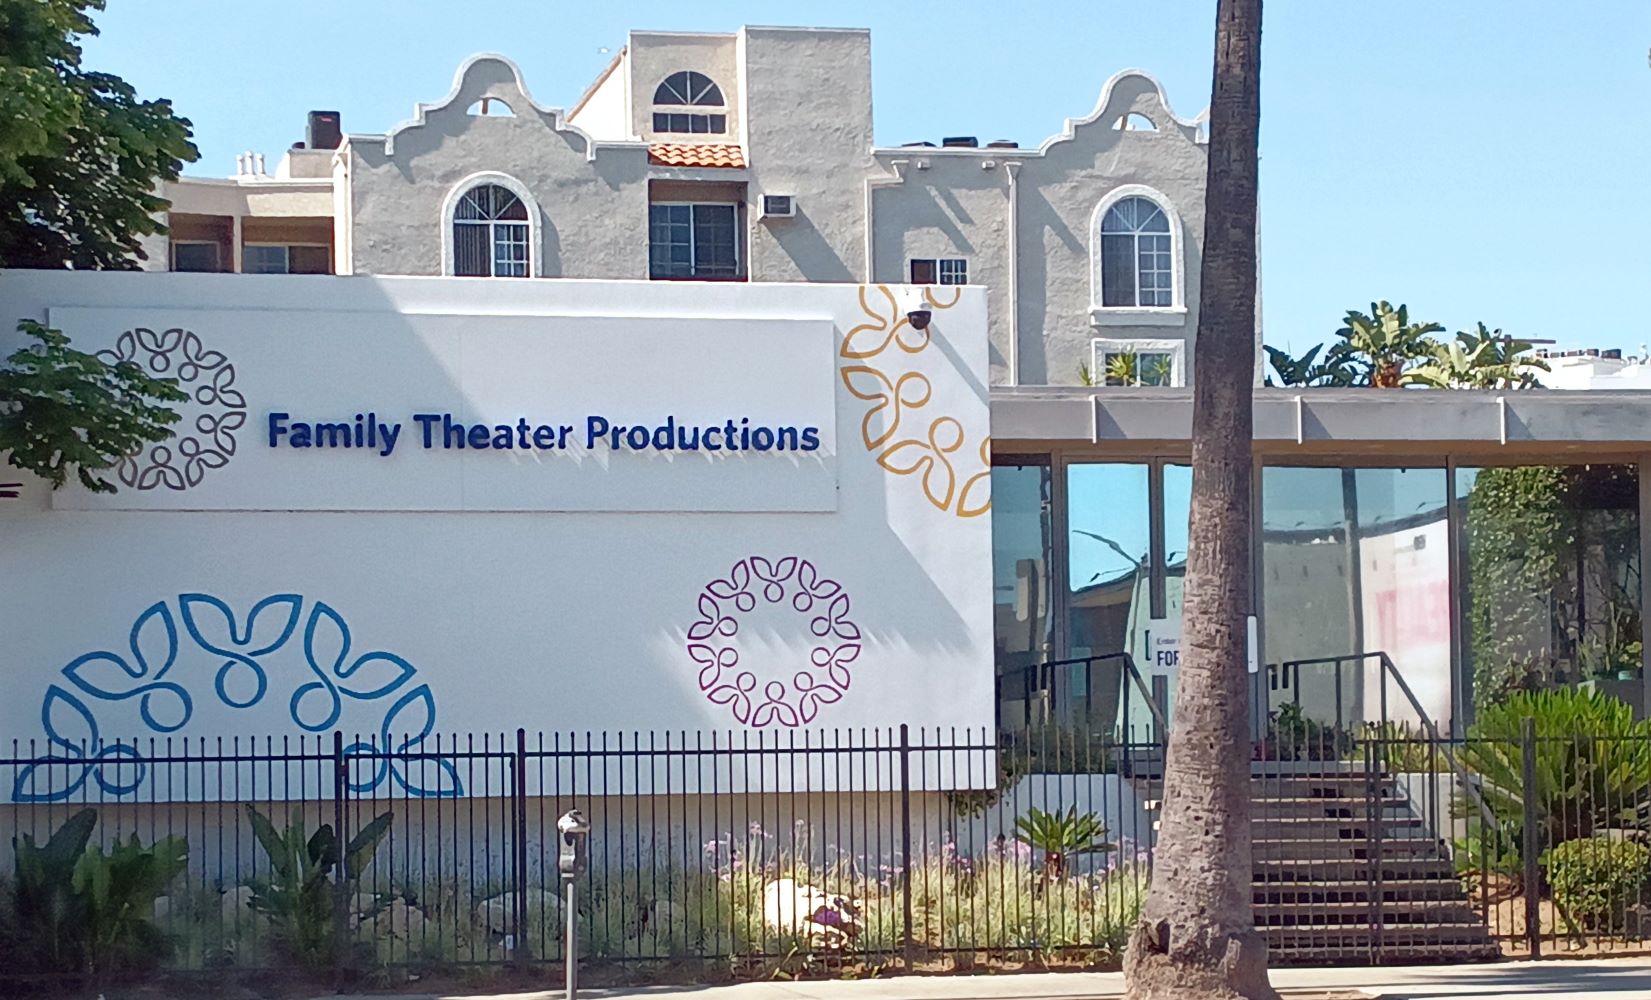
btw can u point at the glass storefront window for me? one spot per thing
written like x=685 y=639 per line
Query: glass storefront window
x=1551 y=595
x=1021 y=537
x=1356 y=561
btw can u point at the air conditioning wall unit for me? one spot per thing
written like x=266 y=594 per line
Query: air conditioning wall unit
x=779 y=206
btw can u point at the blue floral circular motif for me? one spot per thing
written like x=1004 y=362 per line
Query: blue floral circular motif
x=240 y=680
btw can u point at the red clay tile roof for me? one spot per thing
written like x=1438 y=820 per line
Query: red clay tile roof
x=696 y=154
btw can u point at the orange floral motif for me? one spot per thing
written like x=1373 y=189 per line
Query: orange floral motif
x=890 y=428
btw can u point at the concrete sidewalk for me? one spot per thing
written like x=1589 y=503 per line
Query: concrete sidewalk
x=1620 y=979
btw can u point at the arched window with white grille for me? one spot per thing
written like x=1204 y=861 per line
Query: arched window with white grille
x=490 y=230
x=1137 y=255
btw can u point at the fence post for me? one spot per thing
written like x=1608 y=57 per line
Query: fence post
x=905 y=847
x=341 y=880
x=1532 y=841
x=518 y=854
x=1373 y=815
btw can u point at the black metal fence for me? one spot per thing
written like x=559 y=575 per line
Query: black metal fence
x=912 y=849
x=909 y=849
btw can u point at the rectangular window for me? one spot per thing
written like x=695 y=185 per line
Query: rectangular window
x=939 y=271
x=1130 y=363
x=693 y=241
x=195 y=257
x=275 y=258
x=264 y=259
x=509 y=250
x=689 y=124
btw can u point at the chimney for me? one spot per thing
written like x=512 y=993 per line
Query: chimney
x=325 y=130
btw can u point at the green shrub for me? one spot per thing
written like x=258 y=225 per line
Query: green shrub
x=1596 y=881
x=72 y=908
x=1593 y=762
x=298 y=894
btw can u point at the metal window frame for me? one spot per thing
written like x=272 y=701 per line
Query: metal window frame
x=693 y=248
x=172 y=254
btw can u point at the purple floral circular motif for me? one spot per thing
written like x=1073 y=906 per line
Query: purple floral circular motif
x=789 y=583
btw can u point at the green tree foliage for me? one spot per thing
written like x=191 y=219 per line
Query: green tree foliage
x=1480 y=359
x=1385 y=344
x=297 y=895
x=63 y=409
x=1383 y=348
x=80 y=154
x=72 y=908
x=1539 y=538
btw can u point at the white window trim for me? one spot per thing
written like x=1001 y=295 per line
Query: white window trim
x=1100 y=347
x=1174 y=314
x=739 y=239
x=937 y=261
x=535 y=254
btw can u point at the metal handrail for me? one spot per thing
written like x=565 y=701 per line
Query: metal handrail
x=1130 y=669
x=1432 y=730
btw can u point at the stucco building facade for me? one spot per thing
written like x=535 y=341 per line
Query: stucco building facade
x=749 y=157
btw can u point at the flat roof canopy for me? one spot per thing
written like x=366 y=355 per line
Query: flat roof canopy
x=1521 y=425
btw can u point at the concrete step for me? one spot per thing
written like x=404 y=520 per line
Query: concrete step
x=1269 y=871
x=1319 y=850
x=1266 y=827
x=1408 y=913
x=1355 y=807
x=1389 y=891
x=1362 y=952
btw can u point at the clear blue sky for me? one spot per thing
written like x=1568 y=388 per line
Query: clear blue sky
x=1476 y=159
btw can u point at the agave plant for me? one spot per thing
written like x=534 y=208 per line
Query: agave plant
x=1386 y=343
x=1061 y=836
x=1481 y=359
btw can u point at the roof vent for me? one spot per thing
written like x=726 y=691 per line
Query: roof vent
x=911 y=145
x=961 y=142
x=1003 y=144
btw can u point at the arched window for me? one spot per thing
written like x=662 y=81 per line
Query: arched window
x=1137 y=255
x=491 y=234
x=690 y=102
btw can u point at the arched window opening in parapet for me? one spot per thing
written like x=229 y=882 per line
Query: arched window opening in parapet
x=1134 y=122
x=492 y=107
x=491 y=234
x=684 y=103
x=1137 y=255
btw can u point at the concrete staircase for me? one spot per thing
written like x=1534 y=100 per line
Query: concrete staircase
x=1336 y=881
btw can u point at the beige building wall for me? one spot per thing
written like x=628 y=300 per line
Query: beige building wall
x=799 y=106
x=401 y=183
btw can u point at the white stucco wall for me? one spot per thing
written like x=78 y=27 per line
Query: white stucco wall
x=239 y=584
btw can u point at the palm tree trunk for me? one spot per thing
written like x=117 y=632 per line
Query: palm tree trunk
x=1196 y=938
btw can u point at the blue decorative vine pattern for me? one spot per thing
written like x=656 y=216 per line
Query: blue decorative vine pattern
x=240 y=681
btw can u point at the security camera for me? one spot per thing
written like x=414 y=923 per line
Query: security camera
x=917 y=309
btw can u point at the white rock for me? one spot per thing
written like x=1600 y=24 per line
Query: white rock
x=825 y=919
x=499 y=911
x=237 y=906
x=398 y=920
